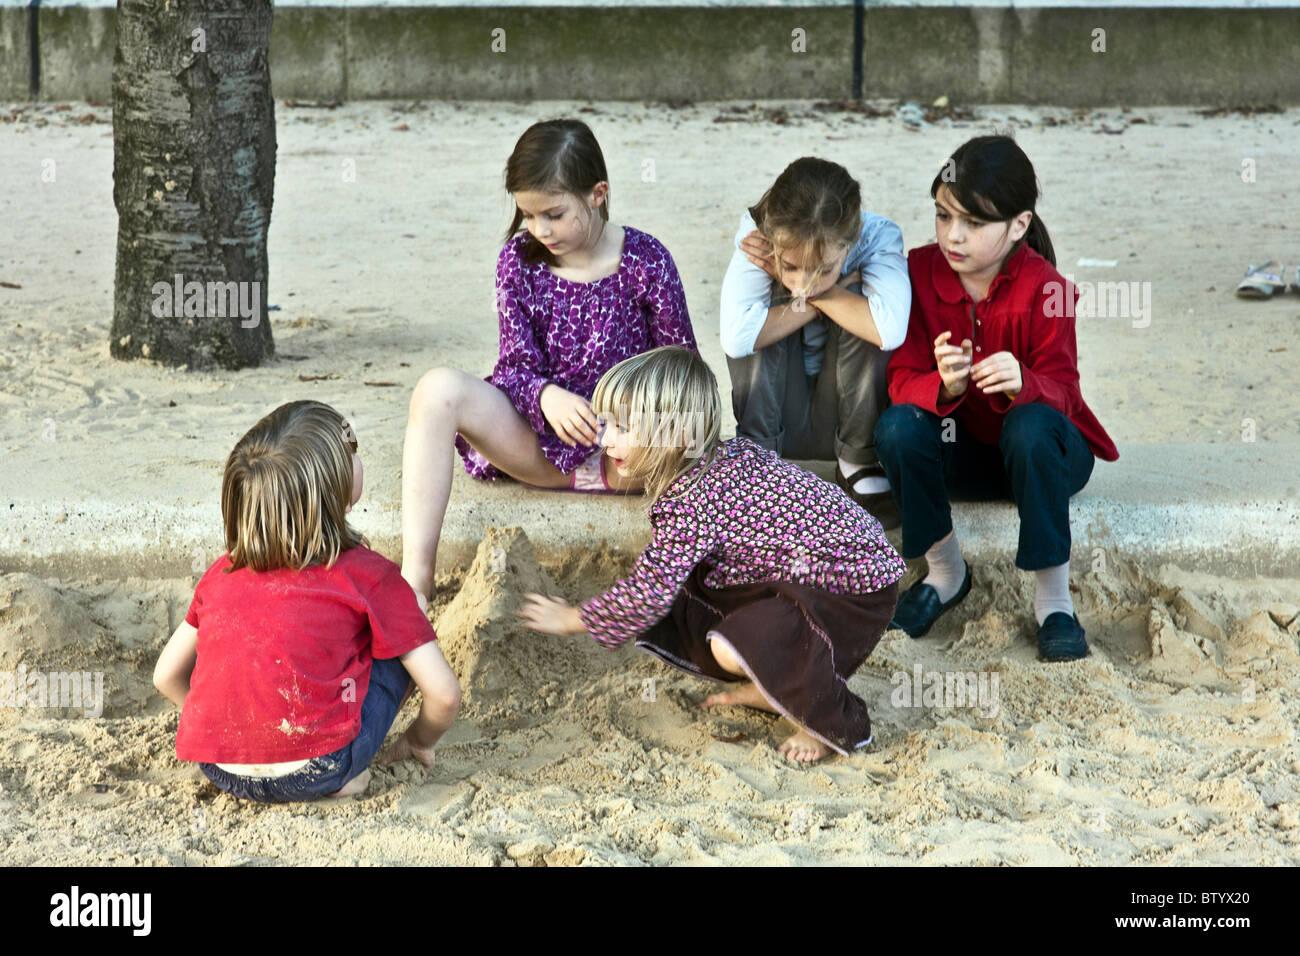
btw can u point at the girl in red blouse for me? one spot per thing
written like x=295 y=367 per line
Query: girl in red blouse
x=985 y=391
x=301 y=642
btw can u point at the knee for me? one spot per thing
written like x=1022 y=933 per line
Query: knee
x=1030 y=429
x=901 y=427
x=723 y=654
x=437 y=392
x=445 y=700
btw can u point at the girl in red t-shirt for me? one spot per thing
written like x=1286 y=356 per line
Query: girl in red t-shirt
x=985 y=391
x=301 y=643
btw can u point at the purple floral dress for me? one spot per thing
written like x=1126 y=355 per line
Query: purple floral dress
x=751 y=517
x=569 y=333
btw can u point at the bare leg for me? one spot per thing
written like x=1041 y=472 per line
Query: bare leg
x=747 y=695
x=447 y=401
x=801 y=747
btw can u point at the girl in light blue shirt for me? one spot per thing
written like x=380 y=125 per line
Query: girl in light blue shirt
x=815 y=298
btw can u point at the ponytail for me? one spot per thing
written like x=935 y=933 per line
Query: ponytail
x=1038 y=239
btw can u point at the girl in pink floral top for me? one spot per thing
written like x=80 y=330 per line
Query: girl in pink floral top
x=575 y=294
x=757 y=569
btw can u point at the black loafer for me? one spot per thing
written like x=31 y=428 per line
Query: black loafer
x=920 y=607
x=1061 y=638
x=880 y=505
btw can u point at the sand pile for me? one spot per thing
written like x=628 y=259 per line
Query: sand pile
x=53 y=653
x=506 y=671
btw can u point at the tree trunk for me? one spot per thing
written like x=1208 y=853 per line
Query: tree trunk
x=193 y=179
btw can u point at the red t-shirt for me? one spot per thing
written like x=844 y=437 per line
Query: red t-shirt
x=1028 y=311
x=284 y=656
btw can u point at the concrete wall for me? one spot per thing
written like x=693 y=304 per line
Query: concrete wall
x=982 y=53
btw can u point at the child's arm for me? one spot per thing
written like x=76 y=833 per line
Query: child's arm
x=681 y=539
x=440 y=700
x=171 y=675
x=551 y=615
x=879 y=311
x=914 y=377
x=748 y=320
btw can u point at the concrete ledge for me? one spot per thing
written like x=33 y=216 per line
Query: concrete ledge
x=1160 y=503
x=975 y=53
x=612 y=53
x=77 y=47
x=309 y=53
x=15 y=54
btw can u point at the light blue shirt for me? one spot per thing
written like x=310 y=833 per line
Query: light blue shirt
x=877 y=254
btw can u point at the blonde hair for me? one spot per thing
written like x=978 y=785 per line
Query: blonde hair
x=668 y=398
x=286 y=486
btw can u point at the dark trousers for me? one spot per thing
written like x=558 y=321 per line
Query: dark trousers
x=812 y=418
x=1039 y=462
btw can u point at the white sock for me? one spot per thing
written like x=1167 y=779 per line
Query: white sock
x=870 y=485
x=947 y=567
x=1052 y=592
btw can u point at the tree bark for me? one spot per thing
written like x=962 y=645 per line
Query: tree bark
x=193 y=179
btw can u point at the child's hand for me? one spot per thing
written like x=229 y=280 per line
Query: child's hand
x=759 y=251
x=404 y=749
x=1000 y=372
x=550 y=615
x=570 y=415
x=953 y=363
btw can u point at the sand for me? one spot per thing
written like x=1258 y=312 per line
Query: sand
x=1174 y=743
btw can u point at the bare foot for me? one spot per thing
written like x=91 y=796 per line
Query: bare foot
x=804 y=748
x=354 y=786
x=747 y=696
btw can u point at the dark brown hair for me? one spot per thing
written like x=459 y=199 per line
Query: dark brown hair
x=993 y=179
x=554 y=156
x=814 y=203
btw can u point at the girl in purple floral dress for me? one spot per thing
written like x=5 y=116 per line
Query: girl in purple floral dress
x=575 y=295
x=757 y=570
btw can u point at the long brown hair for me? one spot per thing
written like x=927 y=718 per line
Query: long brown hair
x=814 y=204
x=554 y=156
x=286 y=487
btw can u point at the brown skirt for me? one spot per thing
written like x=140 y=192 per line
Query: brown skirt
x=799 y=645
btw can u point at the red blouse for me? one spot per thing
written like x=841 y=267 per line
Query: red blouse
x=1028 y=311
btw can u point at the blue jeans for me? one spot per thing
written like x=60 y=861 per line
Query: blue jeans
x=1040 y=460
x=389 y=683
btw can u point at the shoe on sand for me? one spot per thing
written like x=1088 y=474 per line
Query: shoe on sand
x=919 y=607
x=1061 y=638
x=1262 y=281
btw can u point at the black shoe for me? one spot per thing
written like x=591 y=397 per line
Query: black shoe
x=880 y=505
x=1061 y=638
x=920 y=607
